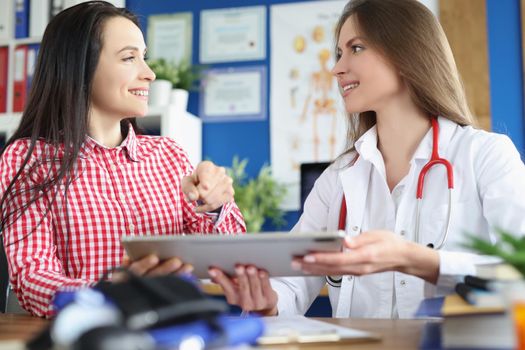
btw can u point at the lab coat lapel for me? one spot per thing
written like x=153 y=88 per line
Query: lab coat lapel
x=355 y=180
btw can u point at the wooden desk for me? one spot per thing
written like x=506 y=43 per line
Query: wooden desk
x=19 y=328
x=215 y=289
x=396 y=334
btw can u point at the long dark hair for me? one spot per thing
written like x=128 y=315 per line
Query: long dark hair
x=410 y=37
x=57 y=109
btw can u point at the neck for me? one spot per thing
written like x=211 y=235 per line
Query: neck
x=400 y=130
x=105 y=130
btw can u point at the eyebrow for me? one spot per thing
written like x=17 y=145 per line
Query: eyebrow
x=351 y=41
x=131 y=48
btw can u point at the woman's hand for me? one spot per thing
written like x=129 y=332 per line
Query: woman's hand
x=210 y=185
x=250 y=289
x=371 y=252
x=151 y=265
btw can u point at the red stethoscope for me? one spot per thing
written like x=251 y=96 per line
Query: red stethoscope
x=435 y=159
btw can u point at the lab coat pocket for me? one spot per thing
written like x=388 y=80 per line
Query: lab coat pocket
x=464 y=218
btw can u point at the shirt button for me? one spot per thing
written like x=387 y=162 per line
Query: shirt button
x=403 y=232
x=122 y=197
x=349 y=278
x=403 y=283
x=355 y=228
x=113 y=167
x=131 y=228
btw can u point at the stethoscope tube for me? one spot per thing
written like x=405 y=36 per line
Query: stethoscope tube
x=435 y=159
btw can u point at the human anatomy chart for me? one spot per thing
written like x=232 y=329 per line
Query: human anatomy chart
x=307 y=119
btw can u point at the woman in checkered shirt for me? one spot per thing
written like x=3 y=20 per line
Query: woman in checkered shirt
x=77 y=175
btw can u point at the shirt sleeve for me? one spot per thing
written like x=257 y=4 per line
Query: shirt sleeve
x=35 y=271
x=229 y=220
x=296 y=294
x=500 y=173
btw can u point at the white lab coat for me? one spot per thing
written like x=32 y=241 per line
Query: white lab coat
x=489 y=182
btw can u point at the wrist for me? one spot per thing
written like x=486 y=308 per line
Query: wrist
x=421 y=261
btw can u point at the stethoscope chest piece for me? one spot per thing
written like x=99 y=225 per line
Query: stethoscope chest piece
x=334 y=281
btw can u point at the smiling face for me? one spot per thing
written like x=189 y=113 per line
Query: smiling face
x=122 y=77
x=367 y=81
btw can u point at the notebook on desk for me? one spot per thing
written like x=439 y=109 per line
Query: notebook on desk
x=430 y=308
x=302 y=330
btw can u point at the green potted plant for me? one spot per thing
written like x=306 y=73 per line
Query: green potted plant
x=183 y=77
x=510 y=248
x=188 y=77
x=166 y=77
x=259 y=198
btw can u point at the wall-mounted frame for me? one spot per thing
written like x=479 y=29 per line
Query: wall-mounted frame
x=170 y=36
x=233 y=94
x=235 y=34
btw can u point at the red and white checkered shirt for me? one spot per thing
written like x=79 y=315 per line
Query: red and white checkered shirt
x=133 y=189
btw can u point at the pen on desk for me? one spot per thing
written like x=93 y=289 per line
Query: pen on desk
x=465 y=292
x=484 y=284
x=477 y=282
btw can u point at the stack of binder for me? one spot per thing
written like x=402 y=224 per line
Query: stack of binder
x=3 y=78
x=25 y=60
x=21 y=18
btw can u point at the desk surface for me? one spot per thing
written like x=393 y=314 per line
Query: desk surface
x=395 y=334
x=214 y=289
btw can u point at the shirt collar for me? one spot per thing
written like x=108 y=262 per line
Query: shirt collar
x=366 y=145
x=130 y=144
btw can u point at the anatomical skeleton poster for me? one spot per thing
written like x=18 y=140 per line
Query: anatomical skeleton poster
x=307 y=114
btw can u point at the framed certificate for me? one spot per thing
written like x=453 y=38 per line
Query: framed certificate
x=233 y=94
x=170 y=36
x=236 y=34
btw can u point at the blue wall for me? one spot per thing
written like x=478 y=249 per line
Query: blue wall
x=506 y=77
x=252 y=139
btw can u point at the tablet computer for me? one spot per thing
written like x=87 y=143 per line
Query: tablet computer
x=270 y=251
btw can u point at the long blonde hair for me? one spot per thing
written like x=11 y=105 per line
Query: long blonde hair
x=410 y=37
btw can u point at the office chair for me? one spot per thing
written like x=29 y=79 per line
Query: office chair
x=4 y=277
x=4 y=274
x=309 y=173
x=8 y=300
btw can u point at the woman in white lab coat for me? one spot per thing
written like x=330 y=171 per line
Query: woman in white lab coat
x=396 y=73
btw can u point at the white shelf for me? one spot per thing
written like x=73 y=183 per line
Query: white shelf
x=180 y=125
x=27 y=41
x=9 y=123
